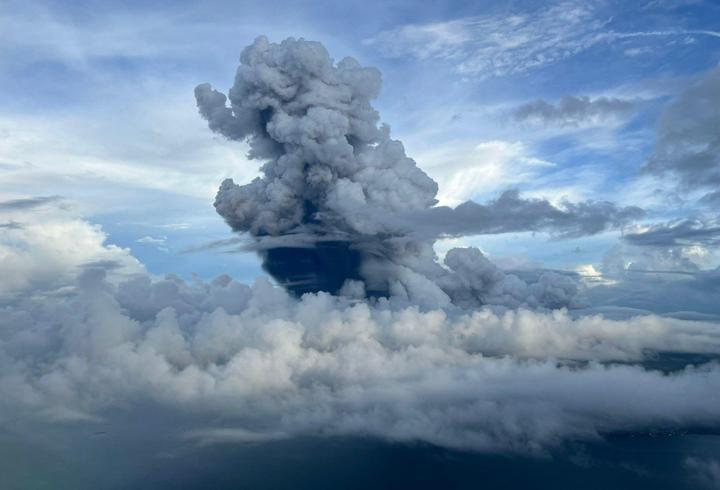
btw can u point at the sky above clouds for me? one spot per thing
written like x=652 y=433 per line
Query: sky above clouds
x=98 y=107
x=526 y=256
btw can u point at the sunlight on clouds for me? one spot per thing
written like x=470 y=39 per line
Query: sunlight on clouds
x=463 y=173
x=591 y=276
x=178 y=159
x=47 y=247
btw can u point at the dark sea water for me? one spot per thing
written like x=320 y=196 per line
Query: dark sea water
x=656 y=461
x=141 y=450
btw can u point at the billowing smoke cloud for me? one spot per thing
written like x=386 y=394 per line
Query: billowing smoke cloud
x=339 y=200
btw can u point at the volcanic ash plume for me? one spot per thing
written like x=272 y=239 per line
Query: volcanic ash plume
x=341 y=208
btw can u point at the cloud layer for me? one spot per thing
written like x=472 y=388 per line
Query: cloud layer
x=238 y=363
x=252 y=363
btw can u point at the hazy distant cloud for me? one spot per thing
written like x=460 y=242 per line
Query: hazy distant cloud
x=640 y=289
x=712 y=198
x=152 y=240
x=11 y=225
x=28 y=203
x=670 y=4
x=665 y=273
x=676 y=233
x=175 y=226
x=688 y=140
x=632 y=52
x=574 y=111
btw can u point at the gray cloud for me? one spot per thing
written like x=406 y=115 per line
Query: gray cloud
x=682 y=232
x=510 y=213
x=664 y=279
x=28 y=203
x=681 y=292
x=688 y=140
x=575 y=111
x=11 y=225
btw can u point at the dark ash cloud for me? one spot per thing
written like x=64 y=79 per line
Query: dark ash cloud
x=339 y=201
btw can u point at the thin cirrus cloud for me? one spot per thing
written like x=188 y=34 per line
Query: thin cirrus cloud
x=499 y=45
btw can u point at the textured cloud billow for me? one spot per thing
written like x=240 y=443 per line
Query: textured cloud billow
x=341 y=205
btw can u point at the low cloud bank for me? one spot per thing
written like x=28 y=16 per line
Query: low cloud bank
x=249 y=364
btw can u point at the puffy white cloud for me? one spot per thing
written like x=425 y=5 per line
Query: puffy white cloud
x=42 y=247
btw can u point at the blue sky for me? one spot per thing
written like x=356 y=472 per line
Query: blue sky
x=97 y=107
